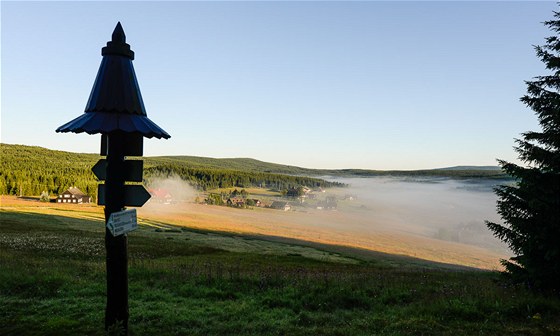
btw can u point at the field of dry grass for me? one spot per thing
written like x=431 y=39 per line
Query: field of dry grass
x=322 y=227
x=313 y=226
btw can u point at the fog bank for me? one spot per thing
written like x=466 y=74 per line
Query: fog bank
x=441 y=208
x=436 y=219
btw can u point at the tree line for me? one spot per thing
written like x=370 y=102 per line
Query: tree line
x=30 y=171
x=212 y=178
x=26 y=171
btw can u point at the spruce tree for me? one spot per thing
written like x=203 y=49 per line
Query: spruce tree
x=530 y=209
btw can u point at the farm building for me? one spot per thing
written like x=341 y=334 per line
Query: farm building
x=161 y=195
x=73 y=195
x=236 y=202
x=280 y=205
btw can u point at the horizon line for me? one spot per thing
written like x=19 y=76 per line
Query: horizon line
x=276 y=163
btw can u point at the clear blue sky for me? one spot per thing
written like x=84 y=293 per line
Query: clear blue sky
x=376 y=85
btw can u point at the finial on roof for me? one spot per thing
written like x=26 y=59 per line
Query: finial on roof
x=118 y=34
x=118 y=45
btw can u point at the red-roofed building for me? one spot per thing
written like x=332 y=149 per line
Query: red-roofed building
x=161 y=195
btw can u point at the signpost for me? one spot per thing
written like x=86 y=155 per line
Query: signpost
x=122 y=222
x=115 y=109
x=134 y=195
x=132 y=170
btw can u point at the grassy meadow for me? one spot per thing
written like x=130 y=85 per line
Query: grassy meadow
x=187 y=281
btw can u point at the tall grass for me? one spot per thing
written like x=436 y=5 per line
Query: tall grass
x=52 y=282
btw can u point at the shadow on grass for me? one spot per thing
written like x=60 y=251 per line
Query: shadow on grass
x=149 y=241
x=54 y=284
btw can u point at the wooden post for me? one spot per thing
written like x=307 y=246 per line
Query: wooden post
x=116 y=311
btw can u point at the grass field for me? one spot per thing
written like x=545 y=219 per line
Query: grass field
x=191 y=281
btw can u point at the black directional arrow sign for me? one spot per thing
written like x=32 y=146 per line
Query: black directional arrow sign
x=134 y=195
x=132 y=170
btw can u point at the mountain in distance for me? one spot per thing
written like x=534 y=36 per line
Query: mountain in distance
x=42 y=155
x=244 y=164
x=471 y=168
x=268 y=167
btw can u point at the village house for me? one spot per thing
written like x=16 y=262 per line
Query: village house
x=73 y=195
x=161 y=195
x=330 y=203
x=312 y=196
x=280 y=205
x=236 y=202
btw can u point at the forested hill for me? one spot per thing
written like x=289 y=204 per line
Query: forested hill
x=247 y=164
x=243 y=164
x=28 y=170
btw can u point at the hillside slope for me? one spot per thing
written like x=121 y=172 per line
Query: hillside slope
x=30 y=170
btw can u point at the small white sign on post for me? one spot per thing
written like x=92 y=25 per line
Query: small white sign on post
x=122 y=222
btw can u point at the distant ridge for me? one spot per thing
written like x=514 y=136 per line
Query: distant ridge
x=32 y=170
x=471 y=168
x=39 y=154
x=262 y=166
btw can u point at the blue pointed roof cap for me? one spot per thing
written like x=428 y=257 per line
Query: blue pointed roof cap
x=115 y=102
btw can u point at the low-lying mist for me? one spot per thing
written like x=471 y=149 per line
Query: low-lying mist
x=167 y=192
x=446 y=209
x=430 y=218
x=177 y=188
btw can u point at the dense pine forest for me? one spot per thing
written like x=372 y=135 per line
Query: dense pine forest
x=26 y=171
x=29 y=171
